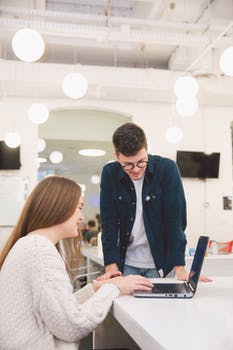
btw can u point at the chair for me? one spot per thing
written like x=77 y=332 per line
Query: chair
x=81 y=278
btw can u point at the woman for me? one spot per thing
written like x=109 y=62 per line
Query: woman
x=38 y=309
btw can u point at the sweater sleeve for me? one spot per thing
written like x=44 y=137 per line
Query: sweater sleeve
x=84 y=293
x=64 y=314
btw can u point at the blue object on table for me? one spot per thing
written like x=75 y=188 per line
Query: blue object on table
x=191 y=251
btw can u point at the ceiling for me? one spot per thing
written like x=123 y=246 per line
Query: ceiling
x=159 y=36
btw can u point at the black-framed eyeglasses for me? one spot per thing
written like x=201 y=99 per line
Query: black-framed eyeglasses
x=140 y=164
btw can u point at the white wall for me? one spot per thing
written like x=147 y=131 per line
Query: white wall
x=13 y=117
x=209 y=131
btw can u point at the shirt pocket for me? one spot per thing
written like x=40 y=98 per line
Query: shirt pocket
x=123 y=202
x=153 y=197
x=153 y=205
x=121 y=198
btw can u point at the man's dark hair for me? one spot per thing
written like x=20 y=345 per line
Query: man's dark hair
x=91 y=223
x=129 y=139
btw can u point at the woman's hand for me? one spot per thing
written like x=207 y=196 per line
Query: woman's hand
x=127 y=284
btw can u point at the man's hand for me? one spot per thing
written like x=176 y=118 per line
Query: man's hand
x=111 y=268
x=109 y=275
x=111 y=271
x=182 y=275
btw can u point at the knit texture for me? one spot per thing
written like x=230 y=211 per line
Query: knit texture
x=38 y=309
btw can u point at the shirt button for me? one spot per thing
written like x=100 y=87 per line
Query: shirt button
x=131 y=219
x=133 y=203
x=120 y=197
x=127 y=233
x=153 y=196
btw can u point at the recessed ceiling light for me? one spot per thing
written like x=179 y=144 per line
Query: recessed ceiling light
x=92 y=152
x=42 y=160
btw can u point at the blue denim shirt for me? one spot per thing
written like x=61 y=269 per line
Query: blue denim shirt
x=164 y=213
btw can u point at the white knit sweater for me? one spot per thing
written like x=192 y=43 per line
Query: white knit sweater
x=37 y=307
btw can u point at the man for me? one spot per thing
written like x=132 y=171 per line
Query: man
x=143 y=210
x=91 y=231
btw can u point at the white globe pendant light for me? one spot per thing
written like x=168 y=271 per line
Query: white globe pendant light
x=186 y=87
x=38 y=113
x=226 y=61
x=187 y=107
x=41 y=145
x=174 y=134
x=74 y=85
x=28 y=45
x=56 y=157
x=95 y=179
x=12 y=139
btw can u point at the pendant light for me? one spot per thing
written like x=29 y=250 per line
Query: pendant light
x=226 y=61
x=12 y=139
x=56 y=157
x=28 y=45
x=174 y=134
x=74 y=85
x=41 y=145
x=187 y=107
x=186 y=87
x=38 y=113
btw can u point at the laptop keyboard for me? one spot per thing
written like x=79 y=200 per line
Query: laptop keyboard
x=169 y=288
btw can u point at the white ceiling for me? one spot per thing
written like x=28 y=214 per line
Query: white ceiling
x=159 y=36
x=171 y=36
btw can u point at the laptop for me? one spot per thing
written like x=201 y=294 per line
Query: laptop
x=182 y=289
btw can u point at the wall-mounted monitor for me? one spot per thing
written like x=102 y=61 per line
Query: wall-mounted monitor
x=9 y=157
x=198 y=164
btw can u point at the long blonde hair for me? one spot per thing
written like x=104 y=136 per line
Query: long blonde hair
x=52 y=202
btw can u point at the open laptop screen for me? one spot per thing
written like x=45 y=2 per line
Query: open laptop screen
x=197 y=261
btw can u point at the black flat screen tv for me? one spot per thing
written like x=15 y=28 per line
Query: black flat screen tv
x=9 y=157
x=198 y=164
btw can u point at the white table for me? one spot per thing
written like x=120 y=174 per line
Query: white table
x=202 y=323
x=214 y=265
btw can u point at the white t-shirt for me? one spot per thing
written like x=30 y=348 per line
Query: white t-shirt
x=138 y=253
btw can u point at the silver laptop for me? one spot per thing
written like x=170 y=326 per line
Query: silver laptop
x=180 y=290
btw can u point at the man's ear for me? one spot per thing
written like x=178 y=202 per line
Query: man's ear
x=116 y=156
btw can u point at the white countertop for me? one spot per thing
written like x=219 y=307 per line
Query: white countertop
x=214 y=265
x=202 y=323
